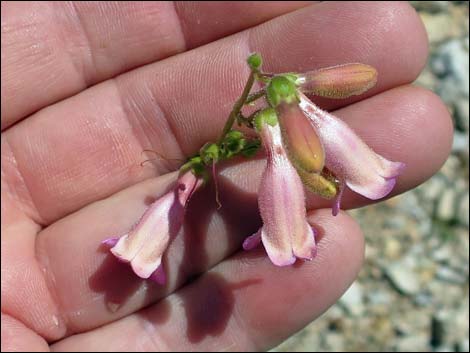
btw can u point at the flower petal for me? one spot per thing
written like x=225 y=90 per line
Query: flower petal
x=337 y=202
x=349 y=158
x=278 y=248
x=145 y=244
x=304 y=245
x=300 y=138
x=281 y=201
x=110 y=241
x=252 y=241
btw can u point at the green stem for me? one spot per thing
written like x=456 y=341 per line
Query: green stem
x=237 y=107
x=255 y=96
x=247 y=120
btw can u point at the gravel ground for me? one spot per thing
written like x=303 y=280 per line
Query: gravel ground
x=413 y=291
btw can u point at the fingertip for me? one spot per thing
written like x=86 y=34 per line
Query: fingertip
x=426 y=125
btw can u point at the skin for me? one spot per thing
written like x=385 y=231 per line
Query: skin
x=84 y=95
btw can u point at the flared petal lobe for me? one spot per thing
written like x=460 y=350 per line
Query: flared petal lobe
x=348 y=157
x=339 y=81
x=285 y=234
x=144 y=245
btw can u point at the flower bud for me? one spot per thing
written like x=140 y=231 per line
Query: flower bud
x=340 y=81
x=254 y=61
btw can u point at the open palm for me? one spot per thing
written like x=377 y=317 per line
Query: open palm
x=87 y=86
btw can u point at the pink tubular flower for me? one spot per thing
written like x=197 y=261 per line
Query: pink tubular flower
x=144 y=245
x=326 y=153
x=286 y=235
x=351 y=161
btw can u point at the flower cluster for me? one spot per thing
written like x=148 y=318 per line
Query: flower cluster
x=305 y=146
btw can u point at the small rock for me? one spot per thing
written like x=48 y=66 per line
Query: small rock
x=433 y=188
x=448 y=274
x=352 y=300
x=446 y=206
x=413 y=343
x=393 y=248
x=463 y=210
x=427 y=80
x=439 y=26
x=451 y=167
x=443 y=253
x=335 y=342
x=379 y=297
x=451 y=61
x=461 y=115
x=444 y=349
x=464 y=345
x=423 y=299
x=403 y=276
x=430 y=6
x=460 y=142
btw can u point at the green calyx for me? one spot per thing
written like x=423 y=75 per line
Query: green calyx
x=282 y=89
x=209 y=153
x=254 y=61
x=235 y=143
x=291 y=77
x=266 y=116
x=232 y=144
x=196 y=165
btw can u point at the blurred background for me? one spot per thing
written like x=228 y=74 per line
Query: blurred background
x=413 y=292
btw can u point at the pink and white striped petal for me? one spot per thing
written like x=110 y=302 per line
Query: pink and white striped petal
x=286 y=235
x=348 y=157
x=144 y=246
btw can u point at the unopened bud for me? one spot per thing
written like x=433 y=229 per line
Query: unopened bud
x=340 y=81
x=254 y=61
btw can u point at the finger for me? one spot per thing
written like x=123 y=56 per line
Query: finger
x=103 y=290
x=16 y=337
x=54 y=50
x=177 y=105
x=244 y=303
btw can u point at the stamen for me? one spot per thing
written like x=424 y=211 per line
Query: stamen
x=162 y=157
x=214 y=176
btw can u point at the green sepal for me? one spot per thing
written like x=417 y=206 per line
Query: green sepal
x=281 y=89
x=266 y=116
x=251 y=148
x=233 y=143
x=209 y=153
x=291 y=76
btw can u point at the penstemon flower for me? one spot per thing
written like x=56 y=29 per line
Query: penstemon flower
x=144 y=245
x=285 y=235
x=305 y=146
x=319 y=142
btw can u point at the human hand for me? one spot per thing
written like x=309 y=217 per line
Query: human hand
x=71 y=174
